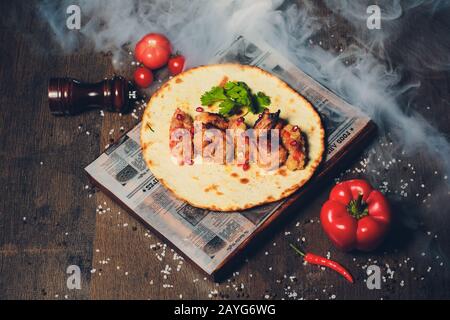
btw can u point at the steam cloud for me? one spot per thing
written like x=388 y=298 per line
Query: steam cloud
x=365 y=74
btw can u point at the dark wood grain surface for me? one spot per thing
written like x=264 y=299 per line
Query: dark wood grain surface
x=50 y=216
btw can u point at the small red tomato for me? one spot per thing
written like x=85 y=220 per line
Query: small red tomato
x=176 y=65
x=143 y=77
x=153 y=40
x=153 y=50
x=155 y=57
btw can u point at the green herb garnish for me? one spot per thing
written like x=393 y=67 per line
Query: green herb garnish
x=262 y=101
x=216 y=94
x=233 y=96
x=226 y=107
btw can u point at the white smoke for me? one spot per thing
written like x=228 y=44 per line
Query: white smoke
x=362 y=74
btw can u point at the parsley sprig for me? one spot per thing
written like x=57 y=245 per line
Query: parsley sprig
x=233 y=96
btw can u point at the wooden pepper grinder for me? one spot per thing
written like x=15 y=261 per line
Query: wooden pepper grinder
x=68 y=96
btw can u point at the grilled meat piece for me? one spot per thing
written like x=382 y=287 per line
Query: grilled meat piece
x=267 y=120
x=293 y=141
x=239 y=145
x=269 y=157
x=212 y=120
x=210 y=137
x=180 y=137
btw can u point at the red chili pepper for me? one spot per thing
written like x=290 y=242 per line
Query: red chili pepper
x=322 y=261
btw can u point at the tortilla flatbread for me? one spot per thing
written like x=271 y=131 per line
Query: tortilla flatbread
x=227 y=187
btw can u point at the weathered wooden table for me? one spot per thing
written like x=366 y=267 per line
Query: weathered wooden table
x=48 y=216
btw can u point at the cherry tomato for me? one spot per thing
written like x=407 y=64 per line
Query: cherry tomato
x=143 y=77
x=176 y=65
x=156 y=40
x=155 y=57
x=158 y=55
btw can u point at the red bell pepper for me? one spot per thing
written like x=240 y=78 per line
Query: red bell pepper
x=355 y=216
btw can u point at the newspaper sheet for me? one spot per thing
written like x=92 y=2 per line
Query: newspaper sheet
x=206 y=237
